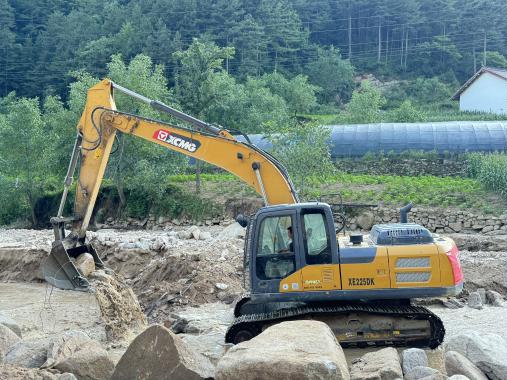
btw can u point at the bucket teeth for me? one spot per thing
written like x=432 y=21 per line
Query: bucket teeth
x=61 y=272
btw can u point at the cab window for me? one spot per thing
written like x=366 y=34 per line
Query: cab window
x=275 y=252
x=316 y=239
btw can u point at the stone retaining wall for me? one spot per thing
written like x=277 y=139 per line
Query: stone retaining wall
x=437 y=220
x=434 y=219
x=439 y=167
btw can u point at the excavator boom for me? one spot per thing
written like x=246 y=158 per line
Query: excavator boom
x=97 y=127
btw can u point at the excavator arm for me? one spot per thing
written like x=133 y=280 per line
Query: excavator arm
x=97 y=127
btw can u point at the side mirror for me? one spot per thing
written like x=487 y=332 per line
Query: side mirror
x=242 y=220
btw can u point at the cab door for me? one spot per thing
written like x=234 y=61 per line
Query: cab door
x=321 y=269
x=274 y=250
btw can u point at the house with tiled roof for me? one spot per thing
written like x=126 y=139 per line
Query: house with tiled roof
x=485 y=91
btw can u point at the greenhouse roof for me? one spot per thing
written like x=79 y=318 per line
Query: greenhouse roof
x=453 y=137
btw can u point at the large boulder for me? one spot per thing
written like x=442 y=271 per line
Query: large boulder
x=232 y=231
x=413 y=357
x=7 y=339
x=65 y=345
x=288 y=350
x=366 y=220
x=75 y=352
x=475 y=301
x=457 y=364
x=9 y=372
x=486 y=350
x=85 y=264
x=383 y=364
x=423 y=372
x=494 y=298
x=30 y=353
x=10 y=323
x=91 y=362
x=157 y=353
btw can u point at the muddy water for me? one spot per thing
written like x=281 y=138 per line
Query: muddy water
x=41 y=310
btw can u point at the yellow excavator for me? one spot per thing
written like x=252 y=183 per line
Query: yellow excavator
x=297 y=264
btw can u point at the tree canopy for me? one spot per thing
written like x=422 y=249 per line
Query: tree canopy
x=42 y=42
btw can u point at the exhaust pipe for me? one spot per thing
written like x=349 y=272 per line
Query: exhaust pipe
x=404 y=212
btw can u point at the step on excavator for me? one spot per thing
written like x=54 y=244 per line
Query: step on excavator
x=296 y=263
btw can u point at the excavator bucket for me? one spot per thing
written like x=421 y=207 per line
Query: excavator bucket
x=59 y=270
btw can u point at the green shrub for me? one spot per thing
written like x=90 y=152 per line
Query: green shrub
x=14 y=206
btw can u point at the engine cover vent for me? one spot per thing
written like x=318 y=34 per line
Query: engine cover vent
x=400 y=234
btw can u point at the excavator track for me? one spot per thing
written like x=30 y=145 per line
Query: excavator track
x=429 y=332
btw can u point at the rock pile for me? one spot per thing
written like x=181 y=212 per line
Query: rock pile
x=457 y=364
x=481 y=297
x=68 y=356
x=486 y=351
x=166 y=270
x=76 y=353
x=17 y=373
x=160 y=223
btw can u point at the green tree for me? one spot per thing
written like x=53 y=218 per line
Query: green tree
x=250 y=41
x=286 y=34
x=60 y=127
x=436 y=56
x=23 y=143
x=365 y=105
x=494 y=59
x=297 y=92
x=304 y=150
x=197 y=66
x=407 y=113
x=8 y=47
x=429 y=90
x=335 y=76
x=249 y=107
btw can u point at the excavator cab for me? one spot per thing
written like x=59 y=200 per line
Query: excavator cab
x=284 y=240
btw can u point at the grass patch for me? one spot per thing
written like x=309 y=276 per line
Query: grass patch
x=393 y=190
x=463 y=193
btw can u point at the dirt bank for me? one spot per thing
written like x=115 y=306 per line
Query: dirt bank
x=166 y=271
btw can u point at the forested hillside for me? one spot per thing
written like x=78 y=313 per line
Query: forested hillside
x=45 y=40
x=277 y=67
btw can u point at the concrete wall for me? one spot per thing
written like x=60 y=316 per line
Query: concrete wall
x=488 y=93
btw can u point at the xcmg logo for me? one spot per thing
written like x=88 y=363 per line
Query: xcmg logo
x=176 y=140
